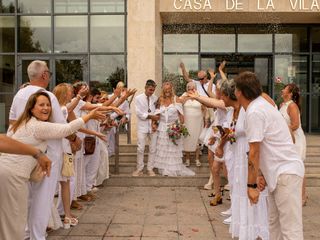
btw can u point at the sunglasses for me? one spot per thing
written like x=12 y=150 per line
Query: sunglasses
x=200 y=79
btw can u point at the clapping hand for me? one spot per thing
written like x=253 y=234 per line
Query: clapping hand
x=193 y=95
x=84 y=90
x=98 y=113
x=222 y=65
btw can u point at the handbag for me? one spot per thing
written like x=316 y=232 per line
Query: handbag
x=37 y=174
x=89 y=145
x=67 y=167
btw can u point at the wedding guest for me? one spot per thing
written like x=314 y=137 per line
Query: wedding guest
x=249 y=222
x=290 y=110
x=272 y=151
x=32 y=127
x=145 y=109
x=41 y=194
x=193 y=118
x=168 y=158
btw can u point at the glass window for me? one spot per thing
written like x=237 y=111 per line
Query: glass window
x=5 y=104
x=315 y=113
x=172 y=71
x=290 y=69
x=7 y=69
x=71 y=34
x=315 y=74
x=106 y=71
x=34 y=6
x=107 y=33
x=7 y=6
x=70 y=70
x=70 y=6
x=180 y=42
x=315 y=39
x=107 y=5
x=255 y=42
x=218 y=43
x=7 y=34
x=35 y=34
x=291 y=40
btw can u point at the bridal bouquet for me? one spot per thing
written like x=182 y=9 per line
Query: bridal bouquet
x=176 y=130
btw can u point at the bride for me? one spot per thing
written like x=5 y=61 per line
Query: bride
x=168 y=157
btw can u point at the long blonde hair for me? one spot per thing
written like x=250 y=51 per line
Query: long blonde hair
x=162 y=95
x=61 y=92
x=27 y=113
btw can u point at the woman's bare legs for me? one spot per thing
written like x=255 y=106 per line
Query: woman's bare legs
x=65 y=196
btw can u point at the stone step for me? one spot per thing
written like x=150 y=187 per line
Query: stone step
x=312 y=167
x=121 y=180
x=127 y=168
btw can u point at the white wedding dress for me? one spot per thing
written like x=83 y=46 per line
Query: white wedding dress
x=168 y=158
x=248 y=221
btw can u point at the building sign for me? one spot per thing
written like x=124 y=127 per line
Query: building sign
x=243 y=5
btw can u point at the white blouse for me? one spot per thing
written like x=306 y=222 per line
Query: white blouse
x=36 y=133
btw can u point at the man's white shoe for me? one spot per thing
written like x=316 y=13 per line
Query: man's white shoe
x=187 y=163
x=151 y=173
x=137 y=173
x=198 y=163
x=227 y=221
x=226 y=213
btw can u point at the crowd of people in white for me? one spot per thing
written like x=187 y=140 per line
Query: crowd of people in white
x=259 y=149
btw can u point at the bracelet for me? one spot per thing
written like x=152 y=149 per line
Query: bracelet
x=253 y=185
x=38 y=155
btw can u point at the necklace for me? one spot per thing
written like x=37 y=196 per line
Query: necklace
x=232 y=132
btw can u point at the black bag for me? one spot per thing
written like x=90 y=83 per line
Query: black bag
x=89 y=145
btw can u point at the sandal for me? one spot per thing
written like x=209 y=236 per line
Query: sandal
x=67 y=222
x=75 y=205
x=86 y=198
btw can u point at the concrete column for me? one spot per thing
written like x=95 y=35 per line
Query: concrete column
x=144 y=41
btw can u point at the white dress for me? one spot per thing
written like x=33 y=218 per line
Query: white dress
x=248 y=221
x=300 y=139
x=168 y=158
x=193 y=120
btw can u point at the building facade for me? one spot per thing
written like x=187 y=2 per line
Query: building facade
x=105 y=41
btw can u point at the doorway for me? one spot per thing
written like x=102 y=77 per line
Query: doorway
x=260 y=65
x=64 y=68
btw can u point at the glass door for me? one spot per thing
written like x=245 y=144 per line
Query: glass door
x=261 y=65
x=64 y=68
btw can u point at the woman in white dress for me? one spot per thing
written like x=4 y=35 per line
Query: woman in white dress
x=290 y=110
x=168 y=158
x=33 y=128
x=248 y=221
x=193 y=119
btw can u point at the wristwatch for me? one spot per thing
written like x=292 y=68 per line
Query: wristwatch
x=38 y=155
x=252 y=185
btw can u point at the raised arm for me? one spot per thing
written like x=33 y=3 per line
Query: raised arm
x=185 y=73
x=208 y=102
x=221 y=67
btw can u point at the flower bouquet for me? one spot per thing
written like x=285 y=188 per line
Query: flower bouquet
x=176 y=130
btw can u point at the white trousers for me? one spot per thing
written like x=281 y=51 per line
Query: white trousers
x=285 y=209
x=41 y=197
x=92 y=163
x=103 y=171
x=141 y=141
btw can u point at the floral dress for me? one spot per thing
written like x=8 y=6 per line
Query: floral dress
x=168 y=158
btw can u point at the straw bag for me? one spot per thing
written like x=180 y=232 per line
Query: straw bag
x=67 y=167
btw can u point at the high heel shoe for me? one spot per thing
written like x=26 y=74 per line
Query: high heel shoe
x=221 y=192
x=67 y=222
x=216 y=200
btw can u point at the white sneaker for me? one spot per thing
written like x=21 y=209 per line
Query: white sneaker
x=198 y=163
x=227 y=221
x=151 y=173
x=137 y=173
x=226 y=213
x=187 y=163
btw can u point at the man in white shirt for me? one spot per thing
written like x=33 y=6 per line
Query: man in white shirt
x=41 y=194
x=273 y=153
x=145 y=107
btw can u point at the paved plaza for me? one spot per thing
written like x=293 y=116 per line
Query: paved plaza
x=163 y=213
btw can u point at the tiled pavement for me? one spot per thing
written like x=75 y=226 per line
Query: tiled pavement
x=163 y=213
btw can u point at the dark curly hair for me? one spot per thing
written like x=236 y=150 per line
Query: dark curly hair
x=295 y=91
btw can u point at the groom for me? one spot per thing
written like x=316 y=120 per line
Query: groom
x=145 y=107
